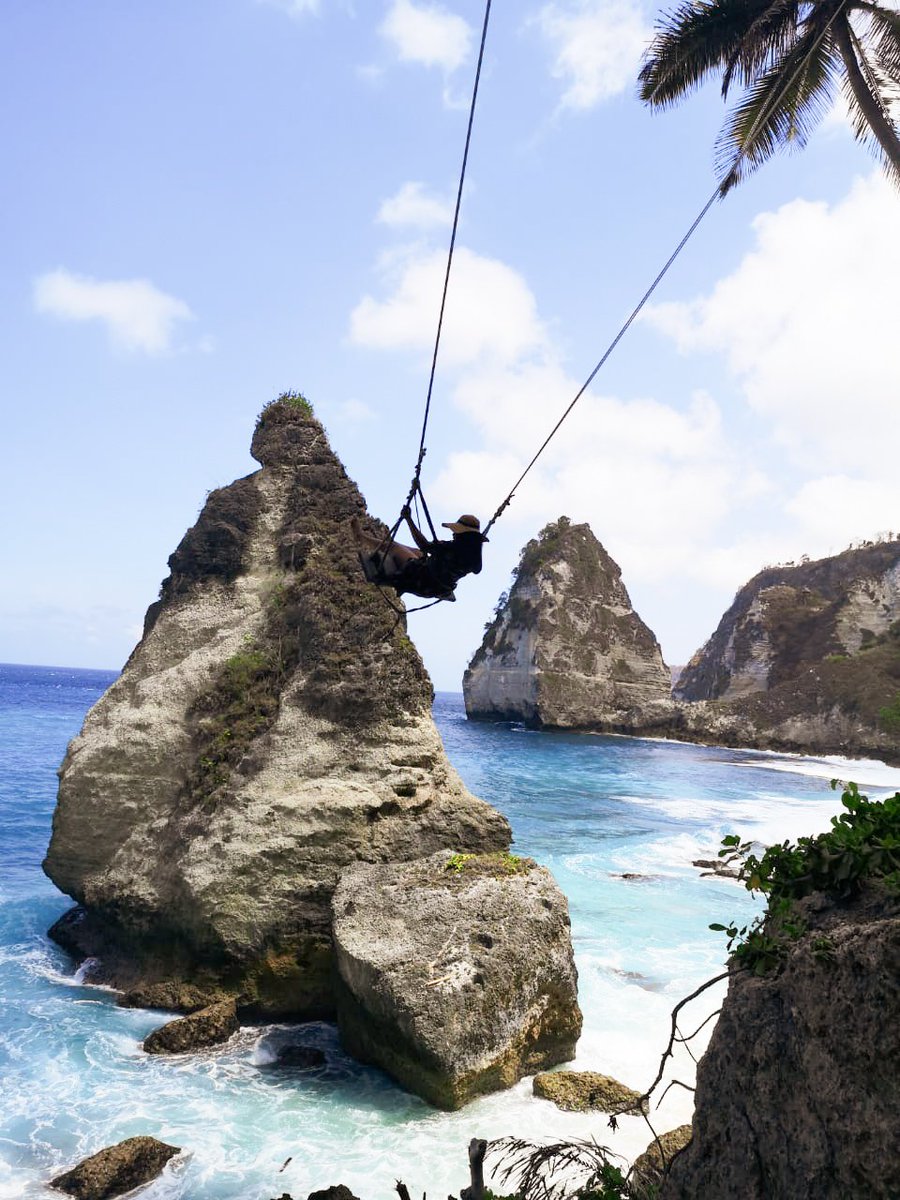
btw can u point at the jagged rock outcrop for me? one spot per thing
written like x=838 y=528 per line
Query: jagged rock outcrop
x=117 y=1169
x=456 y=972
x=807 y=658
x=566 y=649
x=206 y=1027
x=797 y=1093
x=272 y=726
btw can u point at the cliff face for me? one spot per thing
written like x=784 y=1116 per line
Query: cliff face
x=797 y=1093
x=787 y=618
x=566 y=648
x=807 y=658
x=272 y=726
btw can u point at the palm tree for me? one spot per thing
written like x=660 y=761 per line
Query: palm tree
x=789 y=55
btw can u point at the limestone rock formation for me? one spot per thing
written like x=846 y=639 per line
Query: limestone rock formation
x=566 y=649
x=457 y=975
x=807 y=658
x=117 y=1169
x=206 y=1027
x=797 y=1093
x=648 y=1169
x=272 y=726
x=587 y=1091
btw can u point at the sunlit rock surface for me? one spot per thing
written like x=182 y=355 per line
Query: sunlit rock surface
x=566 y=649
x=456 y=972
x=272 y=727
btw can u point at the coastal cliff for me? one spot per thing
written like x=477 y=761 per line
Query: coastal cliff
x=797 y=1092
x=790 y=617
x=807 y=658
x=566 y=649
x=272 y=726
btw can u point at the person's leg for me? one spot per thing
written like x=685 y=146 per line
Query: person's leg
x=380 y=565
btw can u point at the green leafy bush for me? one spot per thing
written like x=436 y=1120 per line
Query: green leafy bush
x=862 y=843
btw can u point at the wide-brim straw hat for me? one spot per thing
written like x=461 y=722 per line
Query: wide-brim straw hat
x=466 y=524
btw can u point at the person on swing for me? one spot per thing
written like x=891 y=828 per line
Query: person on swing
x=432 y=569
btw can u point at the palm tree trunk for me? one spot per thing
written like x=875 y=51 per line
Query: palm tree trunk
x=881 y=127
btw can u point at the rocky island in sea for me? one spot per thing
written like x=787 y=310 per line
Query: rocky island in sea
x=271 y=731
x=566 y=649
x=806 y=659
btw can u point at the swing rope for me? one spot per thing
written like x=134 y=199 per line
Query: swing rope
x=415 y=486
x=717 y=194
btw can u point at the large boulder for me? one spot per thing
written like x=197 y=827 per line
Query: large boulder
x=649 y=1168
x=566 y=649
x=456 y=972
x=797 y=1094
x=208 y=1027
x=117 y=1169
x=588 y=1091
x=272 y=727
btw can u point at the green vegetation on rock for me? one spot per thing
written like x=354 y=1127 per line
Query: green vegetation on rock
x=496 y=864
x=863 y=844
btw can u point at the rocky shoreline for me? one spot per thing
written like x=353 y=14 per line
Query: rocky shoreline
x=805 y=661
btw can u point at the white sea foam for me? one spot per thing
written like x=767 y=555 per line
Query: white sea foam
x=866 y=772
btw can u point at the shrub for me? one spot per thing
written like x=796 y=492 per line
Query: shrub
x=862 y=843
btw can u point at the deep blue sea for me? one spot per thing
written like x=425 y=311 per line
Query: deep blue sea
x=74 y=1079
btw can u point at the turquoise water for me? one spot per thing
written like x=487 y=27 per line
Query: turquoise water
x=73 y=1075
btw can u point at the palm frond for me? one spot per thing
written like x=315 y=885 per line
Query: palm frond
x=767 y=38
x=885 y=41
x=552 y=1171
x=881 y=91
x=696 y=39
x=781 y=108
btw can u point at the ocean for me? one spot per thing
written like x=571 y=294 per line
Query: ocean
x=73 y=1078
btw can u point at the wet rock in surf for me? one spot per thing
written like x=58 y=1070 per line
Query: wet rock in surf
x=117 y=1169
x=207 y=1027
x=586 y=1091
x=456 y=972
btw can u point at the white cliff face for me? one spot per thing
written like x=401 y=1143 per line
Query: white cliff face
x=272 y=727
x=787 y=617
x=506 y=681
x=871 y=607
x=566 y=648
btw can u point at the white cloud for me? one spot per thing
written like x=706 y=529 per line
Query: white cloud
x=807 y=324
x=491 y=313
x=656 y=484
x=138 y=316
x=427 y=34
x=597 y=46
x=837 y=509
x=412 y=206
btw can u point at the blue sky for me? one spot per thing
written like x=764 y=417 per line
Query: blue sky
x=208 y=202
